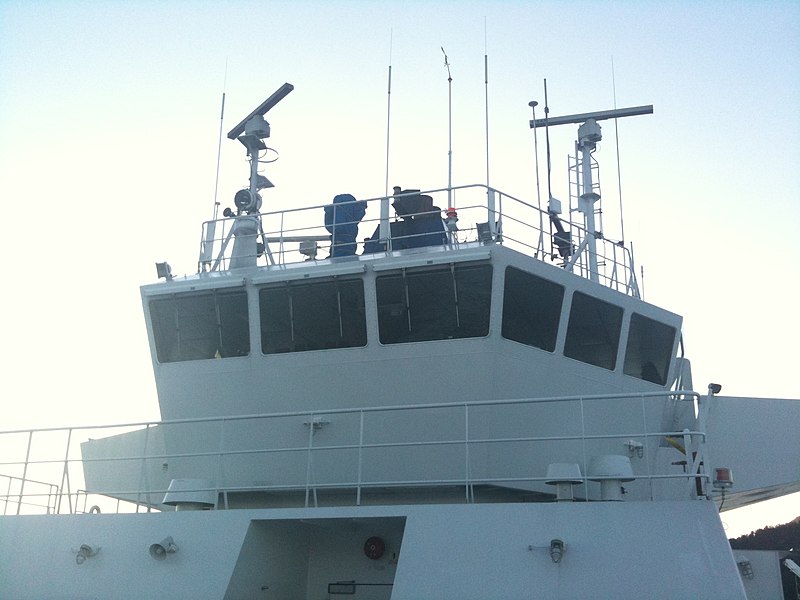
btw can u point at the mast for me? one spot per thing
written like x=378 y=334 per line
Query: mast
x=589 y=134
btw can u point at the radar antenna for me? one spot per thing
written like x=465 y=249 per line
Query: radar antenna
x=588 y=135
x=251 y=132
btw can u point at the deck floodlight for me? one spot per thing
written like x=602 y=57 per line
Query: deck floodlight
x=309 y=248
x=84 y=552
x=745 y=568
x=164 y=270
x=557 y=549
x=247 y=201
x=160 y=550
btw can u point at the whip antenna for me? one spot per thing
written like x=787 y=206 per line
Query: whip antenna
x=211 y=228
x=486 y=94
x=388 y=113
x=547 y=142
x=533 y=104
x=219 y=141
x=449 y=132
x=616 y=140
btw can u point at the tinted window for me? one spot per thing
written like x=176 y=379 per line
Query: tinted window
x=649 y=349
x=531 y=309
x=593 y=331
x=442 y=303
x=214 y=324
x=301 y=316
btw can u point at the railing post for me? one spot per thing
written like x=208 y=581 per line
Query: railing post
x=703 y=408
x=65 y=476
x=646 y=449
x=467 y=476
x=143 y=474
x=7 y=496
x=491 y=212
x=309 y=459
x=219 y=464
x=25 y=471
x=585 y=466
x=385 y=234
x=360 y=456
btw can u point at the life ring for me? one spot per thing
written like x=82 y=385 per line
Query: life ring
x=374 y=548
x=95 y=510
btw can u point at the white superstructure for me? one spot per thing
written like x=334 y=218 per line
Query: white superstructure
x=464 y=399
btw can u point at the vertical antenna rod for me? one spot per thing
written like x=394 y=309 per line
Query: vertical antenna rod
x=211 y=228
x=219 y=141
x=547 y=142
x=219 y=156
x=486 y=94
x=533 y=104
x=384 y=228
x=388 y=113
x=616 y=140
x=449 y=132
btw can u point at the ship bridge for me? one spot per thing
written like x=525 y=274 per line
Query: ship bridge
x=474 y=303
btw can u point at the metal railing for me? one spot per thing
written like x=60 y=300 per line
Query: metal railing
x=505 y=443
x=481 y=216
x=17 y=495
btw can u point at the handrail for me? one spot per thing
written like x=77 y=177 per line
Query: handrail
x=508 y=221
x=66 y=463
x=19 y=498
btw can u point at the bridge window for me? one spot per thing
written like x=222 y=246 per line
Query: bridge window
x=649 y=349
x=593 y=331
x=447 y=302
x=531 y=309
x=197 y=326
x=302 y=316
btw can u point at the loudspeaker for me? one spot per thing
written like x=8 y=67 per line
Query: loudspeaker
x=166 y=546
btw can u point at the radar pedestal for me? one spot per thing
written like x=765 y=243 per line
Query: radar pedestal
x=251 y=132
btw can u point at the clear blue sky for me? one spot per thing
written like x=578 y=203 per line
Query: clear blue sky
x=109 y=116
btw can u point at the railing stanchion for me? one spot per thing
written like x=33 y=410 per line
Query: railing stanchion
x=585 y=469
x=220 y=467
x=25 y=471
x=143 y=481
x=308 y=458
x=7 y=496
x=65 y=477
x=491 y=212
x=646 y=443
x=360 y=456
x=385 y=234
x=467 y=475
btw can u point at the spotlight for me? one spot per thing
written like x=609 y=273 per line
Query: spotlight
x=745 y=568
x=84 y=552
x=166 y=546
x=557 y=549
x=714 y=388
x=247 y=202
x=164 y=270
